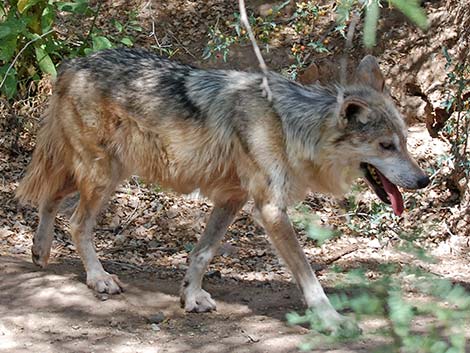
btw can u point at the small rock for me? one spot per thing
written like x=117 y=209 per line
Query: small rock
x=155 y=327
x=246 y=299
x=157 y=318
x=227 y=249
x=120 y=239
x=172 y=212
x=374 y=243
x=113 y=322
x=265 y=10
x=260 y=253
x=214 y=274
x=154 y=244
x=102 y=296
x=18 y=249
x=4 y=233
x=461 y=224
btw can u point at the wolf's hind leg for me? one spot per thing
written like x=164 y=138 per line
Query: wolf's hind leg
x=193 y=297
x=82 y=223
x=44 y=235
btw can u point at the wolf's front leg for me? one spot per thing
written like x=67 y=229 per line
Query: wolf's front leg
x=193 y=297
x=284 y=239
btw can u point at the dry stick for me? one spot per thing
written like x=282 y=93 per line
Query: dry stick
x=19 y=54
x=153 y=33
x=244 y=19
x=342 y=253
x=181 y=45
x=93 y=22
x=155 y=37
x=349 y=39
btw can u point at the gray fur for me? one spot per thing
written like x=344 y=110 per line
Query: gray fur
x=127 y=111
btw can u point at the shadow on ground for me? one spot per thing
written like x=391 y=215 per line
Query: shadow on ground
x=52 y=310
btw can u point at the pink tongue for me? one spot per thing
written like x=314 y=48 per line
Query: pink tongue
x=393 y=194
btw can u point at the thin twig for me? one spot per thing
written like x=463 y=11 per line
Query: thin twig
x=446 y=226
x=130 y=219
x=153 y=33
x=125 y=265
x=349 y=39
x=93 y=22
x=244 y=20
x=181 y=45
x=350 y=249
x=21 y=52
x=346 y=215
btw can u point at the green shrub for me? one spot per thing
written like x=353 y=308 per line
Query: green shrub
x=30 y=47
x=442 y=315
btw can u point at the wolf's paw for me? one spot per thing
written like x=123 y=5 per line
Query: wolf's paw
x=39 y=256
x=197 y=301
x=341 y=326
x=105 y=283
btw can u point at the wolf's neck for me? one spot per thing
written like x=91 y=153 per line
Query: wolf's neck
x=305 y=112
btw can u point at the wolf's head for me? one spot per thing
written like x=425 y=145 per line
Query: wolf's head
x=373 y=136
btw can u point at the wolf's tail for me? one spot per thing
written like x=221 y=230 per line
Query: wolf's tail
x=48 y=171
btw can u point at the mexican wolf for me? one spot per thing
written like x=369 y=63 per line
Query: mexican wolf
x=122 y=112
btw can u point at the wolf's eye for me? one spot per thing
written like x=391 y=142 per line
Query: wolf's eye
x=388 y=146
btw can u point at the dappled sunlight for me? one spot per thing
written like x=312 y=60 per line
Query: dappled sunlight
x=54 y=308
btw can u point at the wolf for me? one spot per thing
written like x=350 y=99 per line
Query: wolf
x=123 y=112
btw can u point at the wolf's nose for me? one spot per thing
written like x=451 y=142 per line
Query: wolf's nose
x=423 y=182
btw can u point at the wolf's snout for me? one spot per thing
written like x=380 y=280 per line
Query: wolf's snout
x=423 y=182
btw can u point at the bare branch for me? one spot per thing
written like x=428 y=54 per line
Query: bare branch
x=244 y=20
x=349 y=39
x=153 y=33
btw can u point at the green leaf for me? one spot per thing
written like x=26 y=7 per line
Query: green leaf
x=370 y=23
x=80 y=7
x=118 y=26
x=412 y=10
x=13 y=26
x=9 y=86
x=100 y=43
x=8 y=49
x=5 y=30
x=47 y=18
x=24 y=5
x=44 y=61
x=295 y=319
x=127 y=41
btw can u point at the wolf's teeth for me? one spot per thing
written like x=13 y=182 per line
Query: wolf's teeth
x=373 y=172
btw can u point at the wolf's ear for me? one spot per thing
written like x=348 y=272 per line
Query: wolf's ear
x=368 y=73
x=354 y=108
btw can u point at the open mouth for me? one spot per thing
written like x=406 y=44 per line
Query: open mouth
x=384 y=188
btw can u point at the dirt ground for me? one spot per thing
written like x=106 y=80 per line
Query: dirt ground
x=146 y=234
x=52 y=310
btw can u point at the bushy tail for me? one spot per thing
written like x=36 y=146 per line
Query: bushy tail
x=48 y=171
